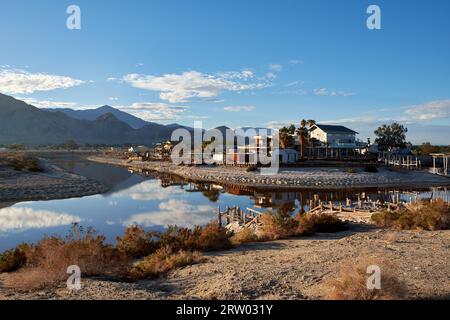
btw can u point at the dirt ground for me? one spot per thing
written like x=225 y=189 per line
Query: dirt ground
x=287 y=269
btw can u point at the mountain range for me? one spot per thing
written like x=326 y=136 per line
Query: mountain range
x=25 y=124
x=93 y=114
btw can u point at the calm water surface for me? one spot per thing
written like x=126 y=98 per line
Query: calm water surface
x=153 y=202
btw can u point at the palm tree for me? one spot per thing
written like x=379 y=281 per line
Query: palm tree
x=285 y=138
x=303 y=134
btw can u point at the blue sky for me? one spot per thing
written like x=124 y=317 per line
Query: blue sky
x=237 y=63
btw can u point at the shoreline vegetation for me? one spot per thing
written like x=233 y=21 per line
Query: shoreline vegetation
x=290 y=177
x=140 y=258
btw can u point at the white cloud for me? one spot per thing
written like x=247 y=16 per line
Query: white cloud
x=271 y=76
x=148 y=190
x=295 y=61
x=280 y=124
x=16 y=81
x=193 y=85
x=19 y=219
x=239 y=108
x=56 y=104
x=428 y=111
x=113 y=98
x=275 y=67
x=332 y=93
x=174 y=212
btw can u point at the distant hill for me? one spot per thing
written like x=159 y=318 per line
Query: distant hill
x=93 y=114
x=25 y=124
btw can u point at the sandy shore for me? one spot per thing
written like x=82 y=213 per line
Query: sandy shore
x=53 y=183
x=287 y=269
x=306 y=178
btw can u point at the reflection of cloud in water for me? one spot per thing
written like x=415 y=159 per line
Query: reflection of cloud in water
x=172 y=212
x=20 y=219
x=149 y=190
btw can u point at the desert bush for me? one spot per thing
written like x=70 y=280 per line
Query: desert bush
x=214 y=237
x=12 y=260
x=163 y=261
x=22 y=161
x=421 y=216
x=277 y=225
x=209 y=237
x=136 y=242
x=371 y=168
x=47 y=261
x=179 y=238
x=351 y=281
x=246 y=235
x=309 y=224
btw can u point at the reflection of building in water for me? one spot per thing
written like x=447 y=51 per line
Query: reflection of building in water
x=275 y=199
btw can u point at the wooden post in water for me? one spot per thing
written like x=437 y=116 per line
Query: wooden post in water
x=219 y=216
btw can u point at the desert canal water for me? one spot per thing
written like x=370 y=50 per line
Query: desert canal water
x=155 y=202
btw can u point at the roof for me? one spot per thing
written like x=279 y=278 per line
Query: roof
x=328 y=128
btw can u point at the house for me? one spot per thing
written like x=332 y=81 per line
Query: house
x=333 y=135
x=333 y=141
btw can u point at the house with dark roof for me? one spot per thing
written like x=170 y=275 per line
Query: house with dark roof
x=332 y=141
x=333 y=135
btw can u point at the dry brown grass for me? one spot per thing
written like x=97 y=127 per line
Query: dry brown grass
x=276 y=226
x=207 y=238
x=351 y=281
x=163 y=261
x=421 y=216
x=309 y=224
x=48 y=260
x=246 y=235
x=136 y=242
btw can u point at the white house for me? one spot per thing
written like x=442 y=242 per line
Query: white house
x=333 y=135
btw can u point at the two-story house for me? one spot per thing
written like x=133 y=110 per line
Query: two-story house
x=334 y=141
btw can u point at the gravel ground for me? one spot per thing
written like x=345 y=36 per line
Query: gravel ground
x=287 y=269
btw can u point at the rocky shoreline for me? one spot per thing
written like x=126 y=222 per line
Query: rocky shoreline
x=53 y=183
x=290 y=178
